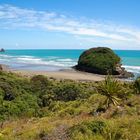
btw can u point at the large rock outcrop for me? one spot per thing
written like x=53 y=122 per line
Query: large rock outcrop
x=101 y=60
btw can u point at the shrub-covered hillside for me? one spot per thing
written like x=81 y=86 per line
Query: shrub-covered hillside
x=39 y=108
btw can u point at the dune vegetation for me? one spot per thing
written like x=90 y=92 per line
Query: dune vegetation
x=39 y=108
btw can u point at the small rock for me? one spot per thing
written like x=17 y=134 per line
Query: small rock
x=2 y=50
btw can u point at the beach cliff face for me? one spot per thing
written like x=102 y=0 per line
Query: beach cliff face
x=102 y=60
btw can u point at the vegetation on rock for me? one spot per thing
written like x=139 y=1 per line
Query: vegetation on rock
x=100 y=60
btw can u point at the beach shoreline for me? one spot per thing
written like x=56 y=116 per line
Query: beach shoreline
x=63 y=74
x=52 y=61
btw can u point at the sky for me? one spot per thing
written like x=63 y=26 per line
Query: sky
x=69 y=24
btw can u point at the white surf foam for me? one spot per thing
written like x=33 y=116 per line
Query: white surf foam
x=65 y=60
x=51 y=61
x=46 y=61
x=134 y=69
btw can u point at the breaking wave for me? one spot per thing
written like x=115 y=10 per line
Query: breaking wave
x=133 y=69
x=23 y=61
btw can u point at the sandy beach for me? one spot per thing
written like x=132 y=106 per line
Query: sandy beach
x=64 y=74
x=70 y=74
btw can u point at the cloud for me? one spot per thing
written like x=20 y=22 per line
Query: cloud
x=12 y=17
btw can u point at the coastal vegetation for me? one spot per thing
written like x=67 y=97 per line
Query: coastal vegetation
x=42 y=108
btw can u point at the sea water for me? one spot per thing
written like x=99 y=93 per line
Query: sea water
x=54 y=60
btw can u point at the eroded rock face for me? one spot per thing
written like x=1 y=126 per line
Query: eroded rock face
x=101 y=60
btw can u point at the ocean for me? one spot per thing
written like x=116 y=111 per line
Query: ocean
x=54 y=60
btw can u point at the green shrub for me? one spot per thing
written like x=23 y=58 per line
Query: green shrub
x=41 y=87
x=88 y=130
x=39 y=84
x=47 y=98
x=124 y=128
x=16 y=98
x=68 y=91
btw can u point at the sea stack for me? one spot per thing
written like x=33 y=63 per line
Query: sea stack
x=102 y=60
x=2 y=50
